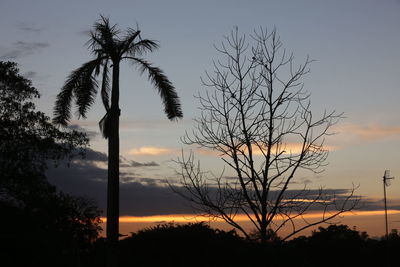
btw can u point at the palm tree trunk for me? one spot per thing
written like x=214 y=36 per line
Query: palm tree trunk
x=113 y=172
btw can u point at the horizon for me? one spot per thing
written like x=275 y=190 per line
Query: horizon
x=353 y=219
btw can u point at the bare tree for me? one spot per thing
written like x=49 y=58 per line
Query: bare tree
x=257 y=117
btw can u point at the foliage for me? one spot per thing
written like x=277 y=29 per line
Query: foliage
x=338 y=232
x=38 y=220
x=55 y=229
x=109 y=49
x=345 y=246
x=196 y=244
x=29 y=140
x=191 y=231
x=181 y=244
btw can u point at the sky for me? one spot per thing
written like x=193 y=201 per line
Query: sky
x=355 y=45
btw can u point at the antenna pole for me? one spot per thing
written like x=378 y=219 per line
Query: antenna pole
x=386 y=182
x=384 y=199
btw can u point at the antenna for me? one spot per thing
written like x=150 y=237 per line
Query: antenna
x=386 y=182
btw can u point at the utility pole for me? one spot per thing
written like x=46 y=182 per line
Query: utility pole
x=386 y=182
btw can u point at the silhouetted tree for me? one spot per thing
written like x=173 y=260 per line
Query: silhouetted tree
x=258 y=119
x=182 y=245
x=110 y=49
x=39 y=226
x=28 y=139
x=348 y=247
x=338 y=232
x=197 y=244
x=54 y=229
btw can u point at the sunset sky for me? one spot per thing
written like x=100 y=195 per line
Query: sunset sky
x=356 y=45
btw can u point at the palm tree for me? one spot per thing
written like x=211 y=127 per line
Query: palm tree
x=110 y=50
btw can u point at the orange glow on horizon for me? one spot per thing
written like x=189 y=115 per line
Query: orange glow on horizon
x=186 y=218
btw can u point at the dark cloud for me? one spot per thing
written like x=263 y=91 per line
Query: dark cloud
x=132 y=163
x=29 y=27
x=150 y=199
x=144 y=181
x=311 y=193
x=84 y=32
x=303 y=181
x=377 y=204
x=92 y=155
x=138 y=196
x=126 y=163
x=30 y=74
x=90 y=134
x=22 y=48
x=294 y=199
x=145 y=196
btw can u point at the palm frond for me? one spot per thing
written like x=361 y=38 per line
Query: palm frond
x=105 y=87
x=104 y=37
x=95 y=43
x=81 y=85
x=131 y=35
x=169 y=97
x=62 y=108
x=85 y=89
x=98 y=66
x=141 y=47
x=104 y=125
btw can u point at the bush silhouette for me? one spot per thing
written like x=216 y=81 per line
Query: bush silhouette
x=193 y=244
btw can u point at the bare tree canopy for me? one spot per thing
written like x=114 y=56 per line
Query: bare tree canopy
x=257 y=116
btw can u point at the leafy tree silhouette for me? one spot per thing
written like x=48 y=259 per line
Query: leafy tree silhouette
x=348 y=247
x=44 y=225
x=110 y=50
x=29 y=140
x=194 y=244
x=197 y=244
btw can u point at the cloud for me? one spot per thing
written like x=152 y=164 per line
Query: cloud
x=132 y=163
x=84 y=33
x=76 y=127
x=29 y=27
x=149 y=150
x=30 y=74
x=138 y=196
x=370 y=132
x=126 y=163
x=306 y=181
x=22 y=48
x=92 y=155
x=373 y=204
x=293 y=199
x=146 y=196
x=286 y=149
